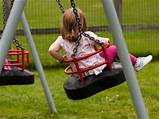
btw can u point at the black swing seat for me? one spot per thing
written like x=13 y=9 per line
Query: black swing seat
x=76 y=89
x=16 y=77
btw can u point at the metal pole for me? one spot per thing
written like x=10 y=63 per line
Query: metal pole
x=118 y=7
x=125 y=60
x=10 y=29
x=38 y=63
x=6 y=10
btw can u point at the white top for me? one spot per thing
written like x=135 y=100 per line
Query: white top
x=86 y=46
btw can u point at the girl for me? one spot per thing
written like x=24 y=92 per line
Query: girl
x=67 y=42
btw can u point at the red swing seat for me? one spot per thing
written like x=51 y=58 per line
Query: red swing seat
x=79 y=87
x=17 y=74
x=80 y=71
x=18 y=58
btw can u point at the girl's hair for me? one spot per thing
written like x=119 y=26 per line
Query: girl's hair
x=69 y=26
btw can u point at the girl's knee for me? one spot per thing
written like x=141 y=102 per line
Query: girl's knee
x=114 y=47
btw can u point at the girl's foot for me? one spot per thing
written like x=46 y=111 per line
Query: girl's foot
x=142 y=61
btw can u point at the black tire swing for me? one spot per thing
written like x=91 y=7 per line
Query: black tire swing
x=18 y=61
x=18 y=73
x=79 y=87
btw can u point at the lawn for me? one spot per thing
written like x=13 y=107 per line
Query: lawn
x=28 y=102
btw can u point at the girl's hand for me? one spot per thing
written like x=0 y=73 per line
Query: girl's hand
x=106 y=44
x=103 y=40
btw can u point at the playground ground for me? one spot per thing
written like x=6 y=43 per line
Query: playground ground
x=28 y=102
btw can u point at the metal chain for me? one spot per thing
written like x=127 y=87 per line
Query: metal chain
x=75 y=11
x=5 y=17
x=15 y=41
x=60 y=6
x=78 y=23
x=6 y=12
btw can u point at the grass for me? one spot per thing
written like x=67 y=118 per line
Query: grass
x=28 y=102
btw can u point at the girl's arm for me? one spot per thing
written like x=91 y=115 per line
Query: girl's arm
x=54 y=51
x=105 y=41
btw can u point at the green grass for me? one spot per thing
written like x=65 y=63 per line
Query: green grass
x=28 y=102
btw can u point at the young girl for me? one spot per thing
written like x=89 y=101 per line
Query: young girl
x=67 y=42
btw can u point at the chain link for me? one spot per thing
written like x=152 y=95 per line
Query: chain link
x=78 y=20
x=60 y=6
x=5 y=17
x=78 y=23
x=15 y=41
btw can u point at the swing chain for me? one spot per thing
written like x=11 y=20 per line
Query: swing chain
x=15 y=41
x=75 y=11
x=78 y=23
x=60 y=6
x=17 y=44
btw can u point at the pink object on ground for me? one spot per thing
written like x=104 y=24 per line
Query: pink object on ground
x=6 y=67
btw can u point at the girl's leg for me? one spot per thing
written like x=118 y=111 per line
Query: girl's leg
x=112 y=54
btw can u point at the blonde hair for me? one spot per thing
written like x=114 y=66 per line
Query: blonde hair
x=69 y=27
